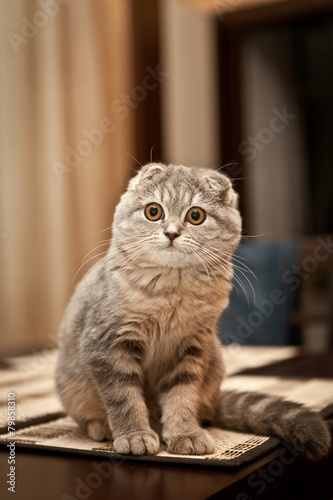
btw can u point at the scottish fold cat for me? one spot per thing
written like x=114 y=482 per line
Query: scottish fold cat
x=139 y=357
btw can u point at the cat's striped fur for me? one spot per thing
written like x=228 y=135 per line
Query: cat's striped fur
x=139 y=356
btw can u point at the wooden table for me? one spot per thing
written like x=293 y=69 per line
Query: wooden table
x=280 y=474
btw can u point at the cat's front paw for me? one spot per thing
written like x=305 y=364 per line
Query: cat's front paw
x=137 y=443
x=197 y=442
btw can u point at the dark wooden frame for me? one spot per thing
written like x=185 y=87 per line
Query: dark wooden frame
x=232 y=25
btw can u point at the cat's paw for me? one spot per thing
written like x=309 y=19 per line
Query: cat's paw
x=137 y=443
x=98 y=430
x=310 y=436
x=197 y=442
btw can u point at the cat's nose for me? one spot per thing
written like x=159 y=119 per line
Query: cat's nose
x=172 y=234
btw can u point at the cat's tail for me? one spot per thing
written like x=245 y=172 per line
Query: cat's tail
x=266 y=415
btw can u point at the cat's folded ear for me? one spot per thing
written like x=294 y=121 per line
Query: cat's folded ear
x=221 y=187
x=148 y=172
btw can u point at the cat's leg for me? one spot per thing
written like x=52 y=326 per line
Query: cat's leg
x=181 y=430
x=180 y=400
x=81 y=399
x=119 y=377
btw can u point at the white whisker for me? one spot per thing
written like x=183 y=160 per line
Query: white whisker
x=242 y=270
x=254 y=236
x=215 y=260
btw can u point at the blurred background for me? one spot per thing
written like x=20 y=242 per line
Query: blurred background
x=91 y=89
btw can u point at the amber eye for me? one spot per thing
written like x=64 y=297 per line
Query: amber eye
x=154 y=212
x=196 y=216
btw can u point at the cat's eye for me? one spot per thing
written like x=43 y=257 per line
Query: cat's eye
x=196 y=216
x=154 y=212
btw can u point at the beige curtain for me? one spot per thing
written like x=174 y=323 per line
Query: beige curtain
x=63 y=152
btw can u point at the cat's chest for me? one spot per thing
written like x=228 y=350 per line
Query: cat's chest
x=173 y=323
x=173 y=296
x=177 y=314
x=171 y=314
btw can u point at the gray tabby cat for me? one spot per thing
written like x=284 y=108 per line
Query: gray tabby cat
x=138 y=343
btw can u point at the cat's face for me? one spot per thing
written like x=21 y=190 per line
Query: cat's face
x=177 y=216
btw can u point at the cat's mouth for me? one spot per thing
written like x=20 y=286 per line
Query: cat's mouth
x=170 y=247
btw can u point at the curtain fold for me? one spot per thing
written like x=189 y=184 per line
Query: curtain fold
x=63 y=153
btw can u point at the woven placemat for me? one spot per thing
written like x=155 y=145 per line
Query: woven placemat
x=232 y=449
x=40 y=423
x=31 y=378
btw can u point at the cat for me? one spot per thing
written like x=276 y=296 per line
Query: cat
x=139 y=357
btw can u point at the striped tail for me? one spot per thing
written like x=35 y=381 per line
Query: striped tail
x=261 y=414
